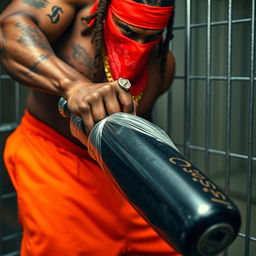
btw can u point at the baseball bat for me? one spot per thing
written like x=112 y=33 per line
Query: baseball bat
x=179 y=201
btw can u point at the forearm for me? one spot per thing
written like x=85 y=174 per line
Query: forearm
x=28 y=57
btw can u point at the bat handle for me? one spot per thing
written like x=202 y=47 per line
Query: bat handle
x=63 y=108
x=77 y=124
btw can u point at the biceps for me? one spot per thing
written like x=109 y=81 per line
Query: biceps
x=51 y=16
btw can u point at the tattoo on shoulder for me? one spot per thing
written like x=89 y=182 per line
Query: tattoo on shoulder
x=80 y=55
x=3 y=41
x=55 y=15
x=36 y=3
x=31 y=36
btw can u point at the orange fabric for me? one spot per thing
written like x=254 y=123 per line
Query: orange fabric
x=67 y=205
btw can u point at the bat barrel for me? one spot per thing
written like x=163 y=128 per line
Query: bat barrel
x=183 y=205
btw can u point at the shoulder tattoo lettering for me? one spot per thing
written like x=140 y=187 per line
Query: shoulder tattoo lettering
x=81 y=56
x=36 y=3
x=31 y=36
x=55 y=16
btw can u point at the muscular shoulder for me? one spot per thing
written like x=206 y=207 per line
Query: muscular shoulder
x=41 y=4
x=51 y=16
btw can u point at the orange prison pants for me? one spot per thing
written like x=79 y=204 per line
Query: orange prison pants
x=67 y=204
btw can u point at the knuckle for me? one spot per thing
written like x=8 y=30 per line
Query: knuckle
x=108 y=88
x=91 y=98
x=94 y=96
x=85 y=108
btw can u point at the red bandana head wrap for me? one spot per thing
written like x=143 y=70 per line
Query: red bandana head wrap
x=128 y=58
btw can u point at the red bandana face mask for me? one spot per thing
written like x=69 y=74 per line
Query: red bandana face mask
x=128 y=58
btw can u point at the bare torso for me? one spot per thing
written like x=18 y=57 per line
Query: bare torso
x=78 y=51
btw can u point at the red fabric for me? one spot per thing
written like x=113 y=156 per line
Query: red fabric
x=67 y=205
x=141 y=15
x=127 y=58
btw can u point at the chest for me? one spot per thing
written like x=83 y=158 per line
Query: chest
x=78 y=50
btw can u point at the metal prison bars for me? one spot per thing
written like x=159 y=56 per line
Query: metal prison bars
x=202 y=112
x=194 y=131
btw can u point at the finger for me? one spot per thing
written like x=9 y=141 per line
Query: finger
x=125 y=100
x=73 y=108
x=112 y=104
x=88 y=120
x=135 y=107
x=111 y=98
x=98 y=110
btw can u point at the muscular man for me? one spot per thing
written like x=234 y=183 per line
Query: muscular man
x=78 y=49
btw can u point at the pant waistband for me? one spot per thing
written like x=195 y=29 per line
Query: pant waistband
x=32 y=124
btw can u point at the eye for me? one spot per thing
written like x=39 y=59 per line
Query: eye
x=127 y=30
x=153 y=37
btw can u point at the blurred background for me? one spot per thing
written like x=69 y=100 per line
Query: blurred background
x=209 y=112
